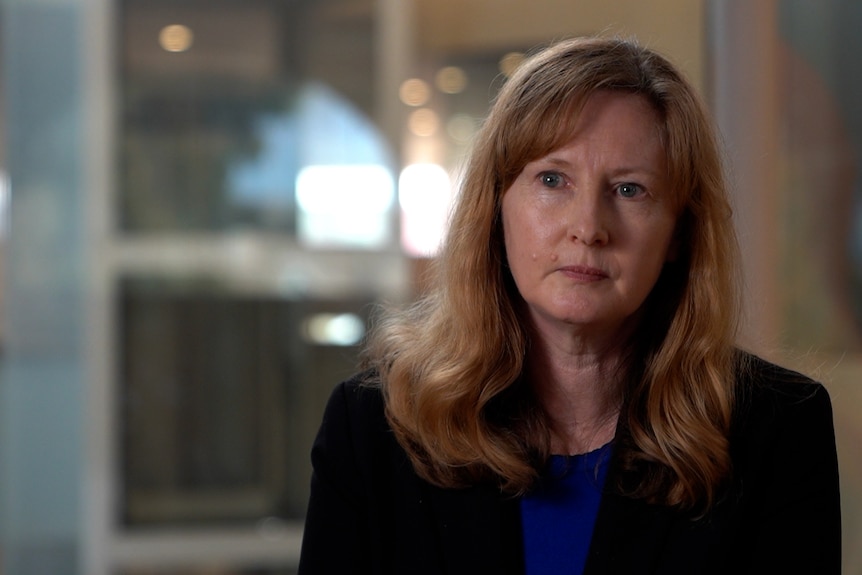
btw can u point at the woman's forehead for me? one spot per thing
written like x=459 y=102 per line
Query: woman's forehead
x=556 y=127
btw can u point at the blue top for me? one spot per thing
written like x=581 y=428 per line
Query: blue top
x=558 y=516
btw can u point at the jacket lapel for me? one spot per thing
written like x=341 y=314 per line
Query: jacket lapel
x=479 y=531
x=628 y=537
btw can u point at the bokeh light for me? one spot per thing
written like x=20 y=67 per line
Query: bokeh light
x=451 y=80
x=414 y=92
x=176 y=38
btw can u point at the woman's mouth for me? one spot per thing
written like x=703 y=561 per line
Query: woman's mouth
x=584 y=274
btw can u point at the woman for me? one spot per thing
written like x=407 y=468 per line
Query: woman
x=568 y=397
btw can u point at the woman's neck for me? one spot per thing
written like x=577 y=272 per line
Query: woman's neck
x=580 y=390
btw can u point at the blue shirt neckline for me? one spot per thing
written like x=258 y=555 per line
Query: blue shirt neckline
x=558 y=516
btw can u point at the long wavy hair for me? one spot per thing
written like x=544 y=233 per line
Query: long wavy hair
x=451 y=366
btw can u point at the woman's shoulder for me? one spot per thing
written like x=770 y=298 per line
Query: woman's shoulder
x=354 y=439
x=357 y=402
x=763 y=385
x=362 y=387
x=785 y=469
x=779 y=406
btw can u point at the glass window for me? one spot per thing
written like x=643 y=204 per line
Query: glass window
x=252 y=115
x=256 y=223
x=221 y=395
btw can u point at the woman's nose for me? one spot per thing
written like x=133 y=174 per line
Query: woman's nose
x=587 y=219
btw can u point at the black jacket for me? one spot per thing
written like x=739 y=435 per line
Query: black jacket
x=369 y=513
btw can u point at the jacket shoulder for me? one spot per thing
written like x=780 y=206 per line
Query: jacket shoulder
x=359 y=395
x=768 y=390
x=780 y=409
x=786 y=470
x=354 y=418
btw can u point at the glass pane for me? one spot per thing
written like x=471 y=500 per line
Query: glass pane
x=221 y=395
x=224 y=104
x=207 y=571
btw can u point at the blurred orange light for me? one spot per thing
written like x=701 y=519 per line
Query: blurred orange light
x=176 y=38
x=423 y=122
x=414 y=92
x=451 y=80
x=510 y=62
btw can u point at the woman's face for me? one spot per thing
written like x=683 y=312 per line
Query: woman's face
x=589 y=226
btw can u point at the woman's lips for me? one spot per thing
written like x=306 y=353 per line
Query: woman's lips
x=584 y=274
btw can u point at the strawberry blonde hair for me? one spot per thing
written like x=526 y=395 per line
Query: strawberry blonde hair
x=451 y=365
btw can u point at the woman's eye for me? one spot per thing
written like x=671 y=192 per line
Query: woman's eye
x=551 y=179
x=629 y=190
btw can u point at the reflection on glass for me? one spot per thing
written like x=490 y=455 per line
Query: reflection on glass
x=212 y=140
x=263 y=184
x=342 y=329
x=425 y=194
x=344 y=205
x=4 y=203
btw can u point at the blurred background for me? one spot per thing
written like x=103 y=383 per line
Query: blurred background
x=200 y=201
